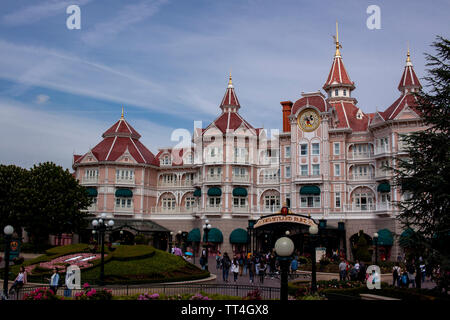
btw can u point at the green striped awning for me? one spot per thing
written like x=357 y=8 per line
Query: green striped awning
x=214 y=235
x=405 y=238
x=124 y=193
x=239 y=236
x=239 y=192
x=198 y=192
x=92 y=192
x=194 y=235
x=214 y=192
x=315 y=190
x=384 y=187
x=385 y=237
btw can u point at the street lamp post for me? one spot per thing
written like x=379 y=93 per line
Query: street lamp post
x=375 y=239
x=284 y=247
x=170 y=241
x=8 y=230
x=313 y=230
x=101 y=226
x=206 y=228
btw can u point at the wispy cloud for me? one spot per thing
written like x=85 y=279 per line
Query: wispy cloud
x=126 y=16
x=42 y=98
x=41 y=135
x=33 y=13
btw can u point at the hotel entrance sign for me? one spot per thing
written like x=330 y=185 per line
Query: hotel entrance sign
x=280 y=218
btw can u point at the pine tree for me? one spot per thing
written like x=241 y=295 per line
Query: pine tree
x=424 y=175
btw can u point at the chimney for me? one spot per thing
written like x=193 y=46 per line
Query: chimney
x=287 y=107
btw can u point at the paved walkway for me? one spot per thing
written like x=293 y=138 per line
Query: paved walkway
x=275 y=281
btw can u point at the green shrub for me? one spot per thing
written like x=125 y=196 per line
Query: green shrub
x=362 y=249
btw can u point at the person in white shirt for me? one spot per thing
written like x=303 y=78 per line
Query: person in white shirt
x=235 y=268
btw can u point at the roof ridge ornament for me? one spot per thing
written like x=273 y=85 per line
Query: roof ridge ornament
x=121 y=117
x=230 y=81
x=336 y=41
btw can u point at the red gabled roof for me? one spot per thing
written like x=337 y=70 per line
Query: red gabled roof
x=118 y=139
x=404 y=100
x=230 y=98
x=347 y=115
x=121 y=127
x=338 y=75
x=409 y=78
x=230 y=121
x=311 y=99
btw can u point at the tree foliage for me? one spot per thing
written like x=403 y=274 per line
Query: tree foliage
x=45 y=200
x=424 y=175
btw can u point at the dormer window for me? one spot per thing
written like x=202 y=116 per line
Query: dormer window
x=345 y=93
x=166 y=160
x=336 y=92
x=359 y=115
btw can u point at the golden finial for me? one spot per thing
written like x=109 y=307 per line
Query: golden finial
x=408 y=58
x=230 y=82
x=336 y=41
x=121 y=117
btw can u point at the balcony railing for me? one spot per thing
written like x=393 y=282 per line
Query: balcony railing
x=214 y=177
x=241 y=178
x=369 y=207
x=382 y=174
x=176 y=209
x=384 y=206
x=124 y=209
x=122 y=180
x=240 y=208
x=381 y=150
x=87 y=180
x=359 y=177
x=309 y=177
x=359 y=155
x=241 y=160
x=213 y=208
x=270 y=180
x=271 y=209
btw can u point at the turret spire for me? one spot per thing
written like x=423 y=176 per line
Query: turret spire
x=336 y=41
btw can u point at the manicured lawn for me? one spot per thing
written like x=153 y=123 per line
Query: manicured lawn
x=123 y=265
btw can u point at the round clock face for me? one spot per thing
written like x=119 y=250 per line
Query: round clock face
x=308 y=120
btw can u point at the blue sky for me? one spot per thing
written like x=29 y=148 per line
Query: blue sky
x=167 y=62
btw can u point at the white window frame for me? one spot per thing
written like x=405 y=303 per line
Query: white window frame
x=337 y=169
x=336 y=147
x=314 y=151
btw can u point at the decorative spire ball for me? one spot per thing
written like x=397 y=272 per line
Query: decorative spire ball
x=230 y=82
x=121 y=117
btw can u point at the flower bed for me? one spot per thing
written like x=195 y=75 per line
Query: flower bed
x=42 y=294
x=93 y=294
x=82 y=260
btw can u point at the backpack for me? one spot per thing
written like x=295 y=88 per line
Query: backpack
x=395 y=272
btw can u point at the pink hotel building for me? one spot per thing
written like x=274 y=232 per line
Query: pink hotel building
x=326 y=163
